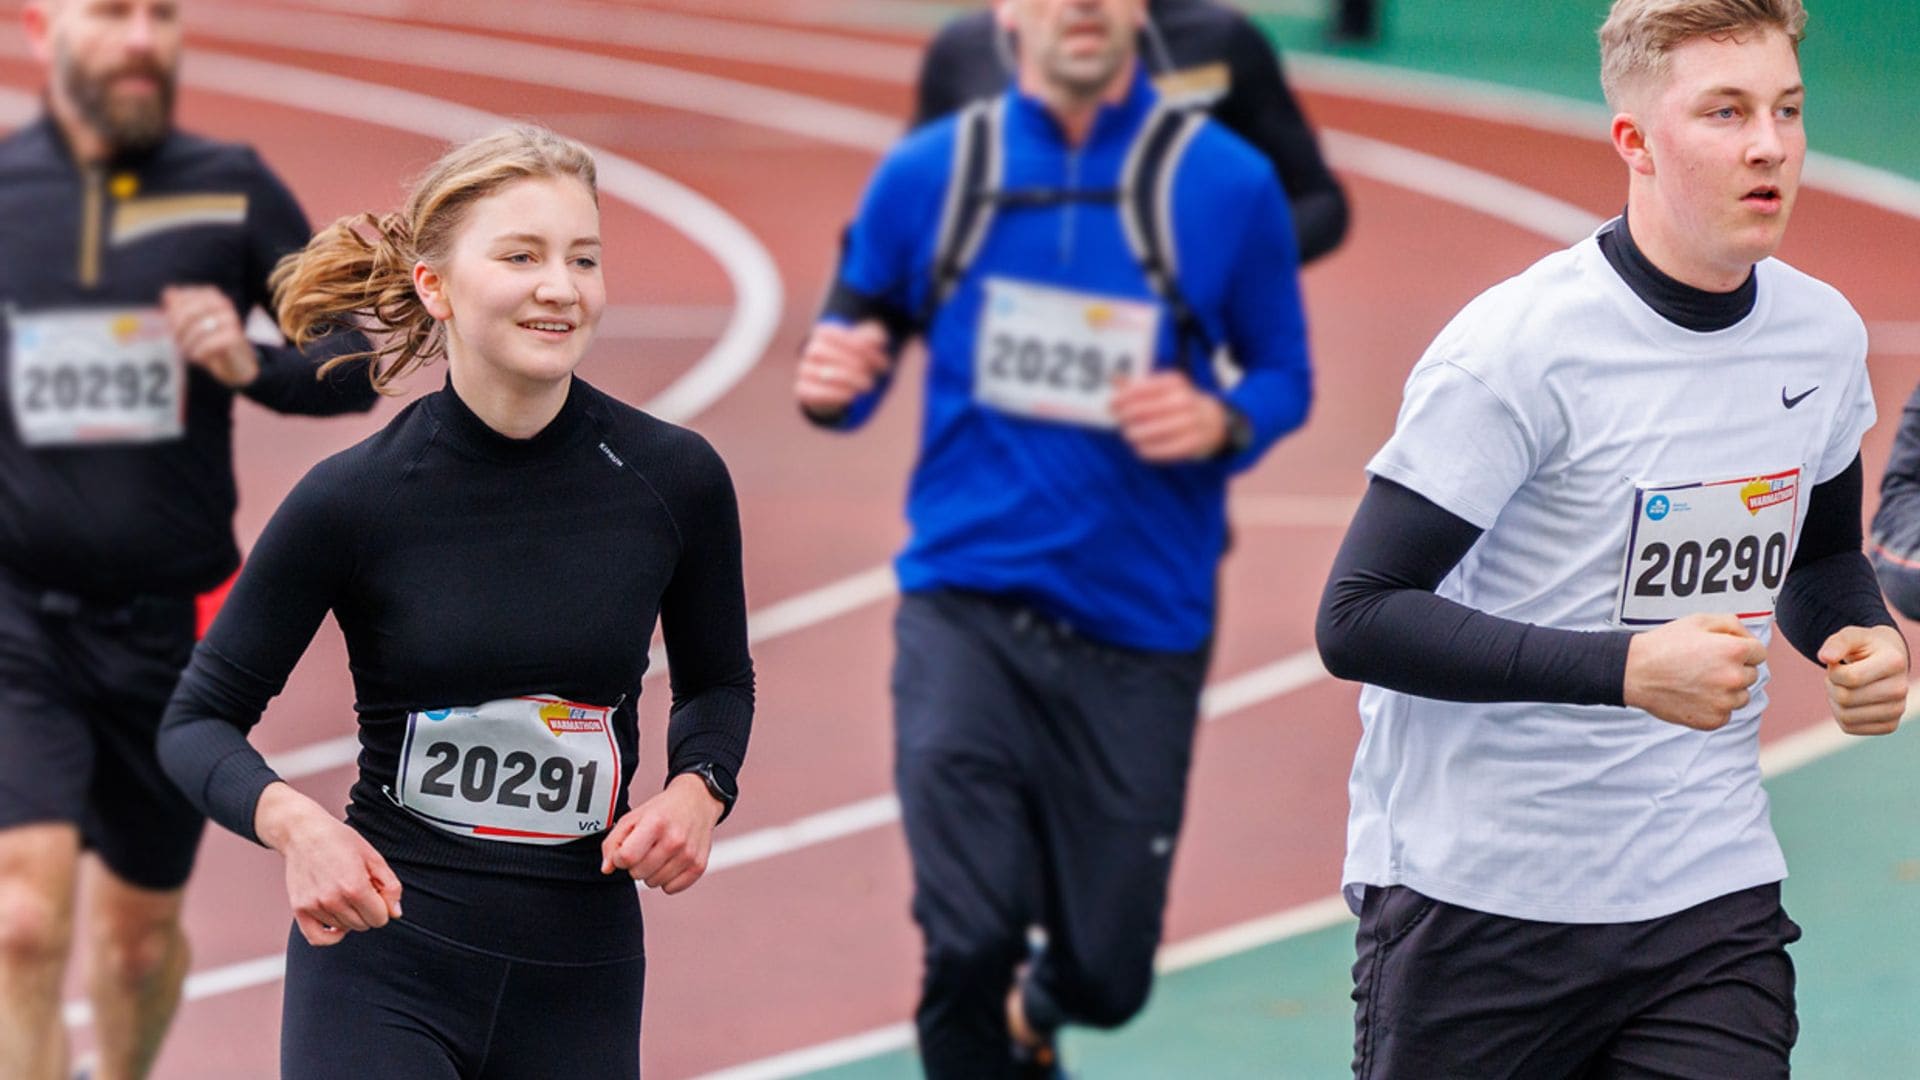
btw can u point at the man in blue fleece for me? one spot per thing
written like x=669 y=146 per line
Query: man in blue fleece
x=1076 y=256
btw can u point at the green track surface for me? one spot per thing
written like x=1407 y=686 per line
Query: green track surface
x=1850 y=823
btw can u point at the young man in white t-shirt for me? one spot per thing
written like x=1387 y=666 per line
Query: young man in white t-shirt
x=1611 y=477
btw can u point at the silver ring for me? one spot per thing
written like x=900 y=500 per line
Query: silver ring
x=209 y=323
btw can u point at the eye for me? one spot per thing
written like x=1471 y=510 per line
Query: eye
x=586 y=262
x=519 y=258
x=1789 y=112
x=1726 y=112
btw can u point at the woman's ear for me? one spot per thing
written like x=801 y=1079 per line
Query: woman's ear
x=432 y=290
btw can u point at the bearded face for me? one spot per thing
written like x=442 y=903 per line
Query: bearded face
x=128 y=100
x=112 y=65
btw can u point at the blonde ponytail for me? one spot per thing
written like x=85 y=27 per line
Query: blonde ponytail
x=358 y=272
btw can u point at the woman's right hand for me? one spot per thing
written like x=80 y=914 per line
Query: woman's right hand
x=336 y=881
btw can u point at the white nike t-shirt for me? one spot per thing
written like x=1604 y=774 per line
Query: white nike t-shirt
x=1625 y=471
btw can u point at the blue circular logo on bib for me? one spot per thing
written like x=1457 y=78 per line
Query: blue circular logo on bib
x=1657 y=507
x=437 y=714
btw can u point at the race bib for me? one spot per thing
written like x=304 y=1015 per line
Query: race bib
x=1053 y=354
x=95 y=376
x=1718 y=547
x=527 y=770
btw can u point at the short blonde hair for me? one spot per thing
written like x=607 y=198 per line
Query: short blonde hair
x=362 y=266
x=1638 y=34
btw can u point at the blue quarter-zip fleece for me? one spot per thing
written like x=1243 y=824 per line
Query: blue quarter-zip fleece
x=1063 y=517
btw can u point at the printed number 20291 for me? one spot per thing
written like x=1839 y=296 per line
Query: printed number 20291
x=1687 y=567
x=481 y=780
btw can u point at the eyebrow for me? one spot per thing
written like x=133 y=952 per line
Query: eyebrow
x=535 y=238
x=1739 y=91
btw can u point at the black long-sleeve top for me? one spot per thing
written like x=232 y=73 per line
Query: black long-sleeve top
x=963 y=63
x=1380 y=621
x=465 y=567
x=114 y=521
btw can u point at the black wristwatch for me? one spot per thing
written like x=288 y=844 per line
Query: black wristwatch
x=720 y=785
x=1239 y=433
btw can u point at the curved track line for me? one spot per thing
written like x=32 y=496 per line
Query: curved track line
x=564 y=69
x=661 y=31
x=756 y=281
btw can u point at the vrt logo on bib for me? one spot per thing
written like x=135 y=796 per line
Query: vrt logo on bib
x=1053 y=354
x=1717 y=546
x=526 y=770
x=82 y=377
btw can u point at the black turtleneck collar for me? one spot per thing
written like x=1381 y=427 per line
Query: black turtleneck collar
x=1675 y=301
x=471 y=432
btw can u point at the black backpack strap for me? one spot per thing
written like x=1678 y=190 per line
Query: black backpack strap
x=1146 y=215
x=972 y=186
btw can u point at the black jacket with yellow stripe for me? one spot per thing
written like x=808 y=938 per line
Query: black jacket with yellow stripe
x=114 y=521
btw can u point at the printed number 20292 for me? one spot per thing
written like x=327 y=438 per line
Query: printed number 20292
x=1688 y=567
x=95 y=386
x=480 y=778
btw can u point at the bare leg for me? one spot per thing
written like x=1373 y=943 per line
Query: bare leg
x=137 y=962
x=37 y=864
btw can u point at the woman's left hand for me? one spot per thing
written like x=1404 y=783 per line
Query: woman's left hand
x=664 y=841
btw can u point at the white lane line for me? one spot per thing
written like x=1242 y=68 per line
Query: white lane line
x=660 y=31
x=545 y=65
x=758 y=291
x=1893 y=338
x=1540 y=111
x=1481 y=192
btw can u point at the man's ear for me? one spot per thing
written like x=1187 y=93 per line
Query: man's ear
x=431 y=288
x=1005 y=15
x=1630 y=142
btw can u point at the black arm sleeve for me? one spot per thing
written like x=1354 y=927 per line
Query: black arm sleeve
x=1830 y=585
x=1263 y=110
x=284 y=590
x=703 y=616
x=1896 y=525
x=1381 y=623
x=287 y=382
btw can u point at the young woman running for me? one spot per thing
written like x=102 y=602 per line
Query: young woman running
x=496 y=558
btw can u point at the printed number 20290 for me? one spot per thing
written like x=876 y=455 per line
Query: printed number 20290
x=480 y=779
x=1687 y=567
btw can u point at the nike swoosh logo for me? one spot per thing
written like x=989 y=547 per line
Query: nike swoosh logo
x=1790 y=402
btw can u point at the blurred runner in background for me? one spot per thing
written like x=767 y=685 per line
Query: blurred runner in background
x=134 y=253
x=1074 y=252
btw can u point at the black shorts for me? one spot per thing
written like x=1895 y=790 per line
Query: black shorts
x=486 y=978
x=1442 y=991
x=82 y=689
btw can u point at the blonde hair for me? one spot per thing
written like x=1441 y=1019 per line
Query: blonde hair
x=1638 y=34
x=358 y=272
